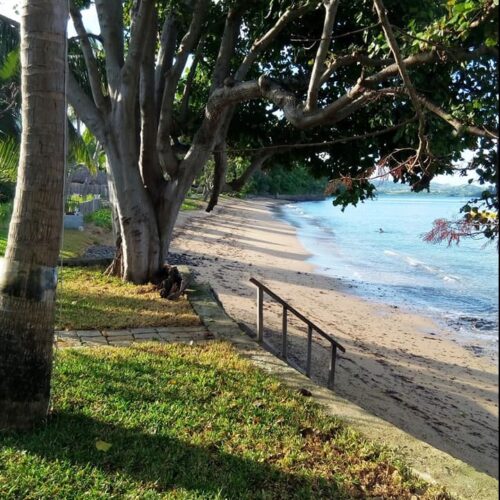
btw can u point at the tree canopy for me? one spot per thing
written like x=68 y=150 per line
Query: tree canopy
x=355 y=90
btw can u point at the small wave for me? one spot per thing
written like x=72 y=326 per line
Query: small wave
x=453 y=279
x=391 y=253
x=413 y=262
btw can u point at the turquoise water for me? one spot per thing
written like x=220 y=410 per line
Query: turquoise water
x=457 y=284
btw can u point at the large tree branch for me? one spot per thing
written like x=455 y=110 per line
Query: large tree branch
x=226 y=48
x=455 y=123
x=348 y=60
x=148 y=160
x=318 y=146
x=319 y=61
x=293 y=108
x=221 y=70
x=486 y=15
x=86 y=109
x=165 y=57
x=220 y=169
x=391 y=40
x=110 y=15
x=261 y=44
x=257 y=162
x=167 y=158
x=263 y=154
x=141 y=22
x=186 y=93
x=427 y=57
x=90 y=61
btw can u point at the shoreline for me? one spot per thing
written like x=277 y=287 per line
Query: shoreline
x=460 y=329
x=398 y=365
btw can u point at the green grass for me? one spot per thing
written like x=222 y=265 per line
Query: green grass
x=189 y=422
x=97 y=231
x=74 y=242
x=192 y=203
x=89 y=300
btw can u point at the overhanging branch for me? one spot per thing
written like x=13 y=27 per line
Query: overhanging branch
x=319 y=61
x=88 y=54
x=391 y=40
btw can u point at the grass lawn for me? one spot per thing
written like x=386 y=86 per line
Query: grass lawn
x=88 y=300
x=74 y=243
x=97 y=231
x=192 y=204
x=189 y=422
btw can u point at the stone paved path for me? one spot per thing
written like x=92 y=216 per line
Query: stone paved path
x=179 y=334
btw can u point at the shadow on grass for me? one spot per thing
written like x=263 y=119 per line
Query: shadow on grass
x=161 y=462
x=157 y=413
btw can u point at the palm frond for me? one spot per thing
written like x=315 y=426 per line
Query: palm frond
x=9 y=159
x=9 y=68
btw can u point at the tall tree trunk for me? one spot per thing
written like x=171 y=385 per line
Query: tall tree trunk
x=28 y=276
x=138 y=227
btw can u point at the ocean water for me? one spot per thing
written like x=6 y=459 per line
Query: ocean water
x=457 y=285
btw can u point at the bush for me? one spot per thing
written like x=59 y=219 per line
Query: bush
x=280 y=180
x=101 y=218
x=73 y=202
x=5 y=213
x=7 y=190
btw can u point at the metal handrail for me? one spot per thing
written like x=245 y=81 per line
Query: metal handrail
x=261 y=288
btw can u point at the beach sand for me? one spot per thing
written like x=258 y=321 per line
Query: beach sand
x=398 y=366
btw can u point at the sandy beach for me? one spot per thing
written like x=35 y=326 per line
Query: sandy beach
x=398 y=366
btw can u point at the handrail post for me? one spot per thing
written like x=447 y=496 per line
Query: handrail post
x=260 y=314
x=284 y=349
x=261 y=290
x=331 y=375
x=309 y=349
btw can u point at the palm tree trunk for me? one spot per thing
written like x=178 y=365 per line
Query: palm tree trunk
x=28 y=274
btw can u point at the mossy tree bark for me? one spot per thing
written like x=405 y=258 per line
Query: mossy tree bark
x=28 y=275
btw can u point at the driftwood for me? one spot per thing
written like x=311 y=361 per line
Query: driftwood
x=171 y=284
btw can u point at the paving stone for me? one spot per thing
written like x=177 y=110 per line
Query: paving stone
x=120 y=343
x=62 y=343
x=150 y=336
x=94 y=340
x=162 y=329
x=175 y=337
x=121 y=338
x=145 y=340
x=143 y=330
x=88 y=333
x=70 y=334
x=187 y=329
x=115 y=333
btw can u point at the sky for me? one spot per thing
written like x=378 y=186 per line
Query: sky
x=10 y=8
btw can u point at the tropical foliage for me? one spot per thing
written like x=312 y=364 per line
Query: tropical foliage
x=351 y=90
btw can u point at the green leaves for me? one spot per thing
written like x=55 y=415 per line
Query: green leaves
x=9 y=159
x=10 y=67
